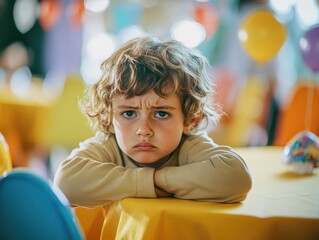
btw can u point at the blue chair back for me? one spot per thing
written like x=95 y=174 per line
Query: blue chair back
x=30 y=209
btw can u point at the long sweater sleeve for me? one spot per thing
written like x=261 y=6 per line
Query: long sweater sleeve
x=92 y=175
x=206 y=172
x=98 y=172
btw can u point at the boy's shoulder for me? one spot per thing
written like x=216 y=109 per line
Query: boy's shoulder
x=196 y=142
x=197 y=138
x=102 y=145
x=100 y=140
x=195 y=146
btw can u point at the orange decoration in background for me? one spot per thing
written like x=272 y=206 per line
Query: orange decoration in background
x=50 y=12
x=293 y=117
x=76 y=11
x=208 y=17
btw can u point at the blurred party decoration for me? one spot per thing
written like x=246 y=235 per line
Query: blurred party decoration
x=282 y=7
x=130 y=32
x=306 y=13
x=124 y=15
x=21 y=82
x=101 y=46
x=226 y=90
x=206 y=14
x=76 y=11
x=189 y=32
x=299 y=112
x=24 y=123
x=262 y=35
x=96 y=5
x=243 y=128
x=5 y=159
x=309 y=46
x=302 y=152
x=53 y=83
x=49 y=14
x=64 y=111
x=24 y=14
x=13 y=57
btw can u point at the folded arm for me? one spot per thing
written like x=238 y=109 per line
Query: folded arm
x=89 y=178
x=208 y=173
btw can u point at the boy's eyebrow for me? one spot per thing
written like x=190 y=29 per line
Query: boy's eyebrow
x=154 y=107
x=126 y=106
x=164 y=107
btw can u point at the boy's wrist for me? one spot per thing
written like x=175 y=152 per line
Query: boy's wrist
x=159 y=191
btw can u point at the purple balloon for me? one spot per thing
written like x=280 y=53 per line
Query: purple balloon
x=309 y=45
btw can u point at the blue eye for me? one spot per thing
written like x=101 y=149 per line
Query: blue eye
x=128 y=114
x=162 y=115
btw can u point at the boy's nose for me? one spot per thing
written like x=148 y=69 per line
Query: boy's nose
x=144 y=129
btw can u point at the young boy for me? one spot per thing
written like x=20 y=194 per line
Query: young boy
x=147 y=108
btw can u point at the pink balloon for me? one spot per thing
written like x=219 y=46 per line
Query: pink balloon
x=309 y=46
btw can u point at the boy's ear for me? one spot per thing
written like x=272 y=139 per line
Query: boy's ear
x=187 y=128
x=111 y=129
x=198 y=118
x=194 y=122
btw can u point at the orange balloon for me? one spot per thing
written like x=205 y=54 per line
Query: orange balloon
x=262 y=35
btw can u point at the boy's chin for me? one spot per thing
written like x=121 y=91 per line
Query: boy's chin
x=144 y=161
x=147 y=162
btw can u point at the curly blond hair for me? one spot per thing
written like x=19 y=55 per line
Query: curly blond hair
x=145 y=64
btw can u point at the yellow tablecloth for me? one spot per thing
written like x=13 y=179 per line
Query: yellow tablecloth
x=281 y=205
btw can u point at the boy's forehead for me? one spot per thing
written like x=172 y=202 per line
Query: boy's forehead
x=150 y=98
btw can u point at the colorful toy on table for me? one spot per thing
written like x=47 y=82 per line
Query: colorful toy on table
x=302 y=152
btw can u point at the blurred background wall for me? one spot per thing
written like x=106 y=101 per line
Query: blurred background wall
x=50 y=50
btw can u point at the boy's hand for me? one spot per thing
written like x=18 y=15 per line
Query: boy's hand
x=161 y=193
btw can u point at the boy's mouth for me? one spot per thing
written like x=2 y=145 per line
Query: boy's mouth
x=144 y=146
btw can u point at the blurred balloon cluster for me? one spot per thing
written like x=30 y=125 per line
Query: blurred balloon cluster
x=262 y=35
x=302 y=151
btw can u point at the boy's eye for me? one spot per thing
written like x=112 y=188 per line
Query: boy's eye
x=128 y=114
x=161 y=114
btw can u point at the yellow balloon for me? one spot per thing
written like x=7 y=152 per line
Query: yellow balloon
x=262 y=35
x=5 y=160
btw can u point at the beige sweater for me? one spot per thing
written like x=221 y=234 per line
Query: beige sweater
x=99 y=172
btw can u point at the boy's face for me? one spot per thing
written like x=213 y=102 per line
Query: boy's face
x=148 y=128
